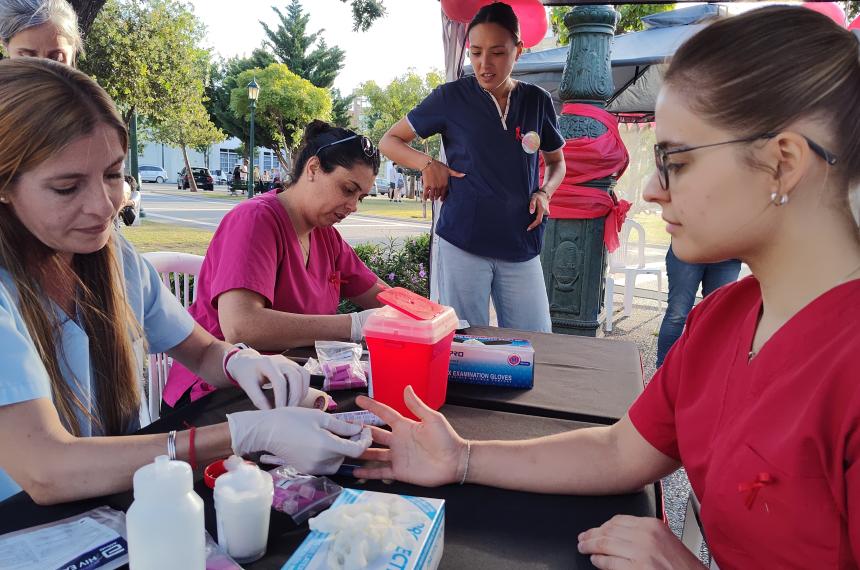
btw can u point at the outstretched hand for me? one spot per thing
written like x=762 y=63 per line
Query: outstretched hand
x=427 y=452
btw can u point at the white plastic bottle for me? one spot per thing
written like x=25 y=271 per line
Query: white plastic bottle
x=243 y=505
x=165 y=522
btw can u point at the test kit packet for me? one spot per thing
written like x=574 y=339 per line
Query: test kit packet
x=421 y=551
x=492 y=361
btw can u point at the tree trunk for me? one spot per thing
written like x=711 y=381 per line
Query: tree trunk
x=87 y=10
x=285 y=168
x=192 y=184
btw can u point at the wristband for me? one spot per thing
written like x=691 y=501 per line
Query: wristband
x=429 y=162
x=227 y=356
x=468 y=455
x=192 y=454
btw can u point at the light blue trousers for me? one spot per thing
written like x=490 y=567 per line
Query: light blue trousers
x=467 y=281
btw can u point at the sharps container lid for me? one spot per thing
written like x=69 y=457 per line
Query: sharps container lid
x=410 y=304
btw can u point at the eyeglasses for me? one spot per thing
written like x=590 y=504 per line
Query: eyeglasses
x=370 y=151
x=660 y=153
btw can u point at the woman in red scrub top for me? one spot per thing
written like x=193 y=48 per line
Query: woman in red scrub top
x=758 y=145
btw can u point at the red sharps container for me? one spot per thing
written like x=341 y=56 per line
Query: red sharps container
x=409 y=341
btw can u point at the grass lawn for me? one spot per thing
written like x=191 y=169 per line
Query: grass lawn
x=655 y=228
x=381 y=206
x=152 y=236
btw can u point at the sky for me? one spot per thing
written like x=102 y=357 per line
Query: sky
x=408 y=36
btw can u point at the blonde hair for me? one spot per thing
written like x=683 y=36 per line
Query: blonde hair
x=45 y=106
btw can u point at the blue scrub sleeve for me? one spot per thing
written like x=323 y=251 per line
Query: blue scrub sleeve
x=22 y=375
x=551 y=139
x=428 y=118
x=166 y=322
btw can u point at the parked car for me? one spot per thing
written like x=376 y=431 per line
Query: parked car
x=149 y=173
x=201 y=176
x=380 y=188
x=220 y=176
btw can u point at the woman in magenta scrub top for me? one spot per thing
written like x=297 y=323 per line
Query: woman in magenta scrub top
x=276 y=268
x=759 y=400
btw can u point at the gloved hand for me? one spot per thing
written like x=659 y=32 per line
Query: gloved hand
x=356 y=332
x=251 y=370
x=308 y=440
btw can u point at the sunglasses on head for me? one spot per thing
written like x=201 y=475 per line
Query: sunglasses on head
x=370 y=151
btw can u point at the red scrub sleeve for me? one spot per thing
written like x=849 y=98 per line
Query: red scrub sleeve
x=653 y=412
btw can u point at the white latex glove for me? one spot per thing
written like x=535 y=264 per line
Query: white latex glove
x=356 y=331
x=251 y=370
x=308 y=440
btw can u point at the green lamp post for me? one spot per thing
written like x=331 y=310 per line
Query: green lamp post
x=573 y=256
x=253 y=93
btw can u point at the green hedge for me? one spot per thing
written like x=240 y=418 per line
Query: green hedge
x=400 y=265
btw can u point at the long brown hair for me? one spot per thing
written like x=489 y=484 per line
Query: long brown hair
x=760 y=71
x=45 y=106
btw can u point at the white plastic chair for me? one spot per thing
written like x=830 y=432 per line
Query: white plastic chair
x=630 y=263
x=177 y=270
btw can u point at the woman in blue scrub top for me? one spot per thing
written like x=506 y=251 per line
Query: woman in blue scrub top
x=79 y=308
x=492 y=219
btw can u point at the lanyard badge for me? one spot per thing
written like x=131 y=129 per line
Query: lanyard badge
x=529 y=141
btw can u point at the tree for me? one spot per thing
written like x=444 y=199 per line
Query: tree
x=290 y=44
x=364 y=12
x=223 y=79
x=87 y=10
x=390 y=104
x=186 y=124
x=286 y=104
x=340 y=107
x=144 y=53
x=629 y=18
x=852 y=9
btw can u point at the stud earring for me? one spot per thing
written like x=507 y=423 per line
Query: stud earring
x=778 y=199
x=4 y=199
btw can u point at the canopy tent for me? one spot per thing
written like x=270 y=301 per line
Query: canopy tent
x=636 y=59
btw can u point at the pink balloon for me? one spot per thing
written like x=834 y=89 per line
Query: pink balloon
x=855 y=25
x=462 y=10
x=830 y=9
x=533 y=20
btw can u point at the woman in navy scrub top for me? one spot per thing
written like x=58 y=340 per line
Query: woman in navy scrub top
x=492 y=220
x=759 y=400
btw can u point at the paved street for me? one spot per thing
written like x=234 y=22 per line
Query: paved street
x=199 y=212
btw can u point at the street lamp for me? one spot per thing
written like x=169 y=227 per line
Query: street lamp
x=253 y=93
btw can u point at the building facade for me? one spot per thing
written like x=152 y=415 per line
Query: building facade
x=221 y=156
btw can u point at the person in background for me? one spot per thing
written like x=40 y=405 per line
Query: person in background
x=236 y=186
x=40 y=28
x=399 y=184
x=277 y=269
x=759 y=399
x=684 y=280
x=391 y=175
x=266 y=180
x=79 y=308
x=491 y=224
x=130 y=208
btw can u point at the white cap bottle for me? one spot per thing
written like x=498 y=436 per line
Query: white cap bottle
x=243 y=505
x=165 y=522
